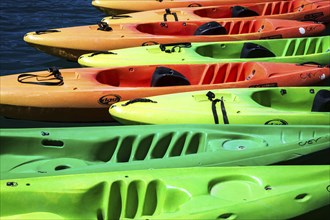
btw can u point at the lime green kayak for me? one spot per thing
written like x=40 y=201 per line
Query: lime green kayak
x=292 y=50
x=58 y=151
x=185 y=193
x=269 y=106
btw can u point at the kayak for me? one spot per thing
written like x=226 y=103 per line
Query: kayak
x=72 y=42
x=293 y=50
x=200 y=193
x=60 y=151
x=85 y=94
x=115 y=7
x=269 y=106
x=292 y=10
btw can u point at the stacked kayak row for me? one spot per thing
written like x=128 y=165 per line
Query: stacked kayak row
x=225 y=23
x=216 y=90
x=85 y=94
x=70 y=43
x=288 y=50
x=292 y=10
x=270 y=7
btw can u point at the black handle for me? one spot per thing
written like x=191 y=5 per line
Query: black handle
x=101 y=52
x=175 y=45
x=312 y=63
x=149 y=43
x=120 y=16
x=168 y=12
x=195 y=5
x=104 y=26
x=43 y=80
x=47 y=31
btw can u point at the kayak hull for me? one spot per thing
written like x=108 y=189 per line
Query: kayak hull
x=39 y=152
x=87 y=93
x=116 y=7
x=201 y=193
x=293 y=50
x=308 y=10
x=284 y=106
x=72 y=42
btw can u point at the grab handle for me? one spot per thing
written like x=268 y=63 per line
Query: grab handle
x=168 y=12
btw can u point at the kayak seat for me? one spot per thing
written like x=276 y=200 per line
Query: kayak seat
x=211 y=28
x=239 y=11
x=251 y=50
x=321 y=101
x=164 y=76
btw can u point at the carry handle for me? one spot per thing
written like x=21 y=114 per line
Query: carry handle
x=119 y=16
x=101 y=52
x=168 y=12
x=56 y=80
x=195 y=5
x=175 y=45
x=47 y=31
x=104 y=26
x=313 y=63
x=149 y=43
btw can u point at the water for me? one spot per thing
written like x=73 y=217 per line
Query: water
x=20 y=16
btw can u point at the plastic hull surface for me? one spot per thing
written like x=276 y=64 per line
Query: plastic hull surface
x=286 y=105
x=200 y=193
x=62 y=151
x=87 y=93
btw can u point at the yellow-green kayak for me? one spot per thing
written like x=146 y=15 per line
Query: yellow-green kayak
x=291 y=50
x=262 y=192
x=281 y=105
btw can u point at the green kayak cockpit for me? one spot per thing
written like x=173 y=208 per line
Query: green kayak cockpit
x=293 y=100
x=279 y=48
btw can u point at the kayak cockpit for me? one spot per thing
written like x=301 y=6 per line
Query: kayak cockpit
x=176 y=75
x=260 y=9
x=206 y=28
x=292 y=101
x=287 y=48
x=263 y=9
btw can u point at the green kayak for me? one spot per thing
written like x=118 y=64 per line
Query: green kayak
x=292 y=50
x=277 y=105
x=54 y=151
x=262 y=192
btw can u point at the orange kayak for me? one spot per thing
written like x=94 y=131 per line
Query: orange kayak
x=114 y=7
x=85 y=94
x=291 y=10
x=72 y=42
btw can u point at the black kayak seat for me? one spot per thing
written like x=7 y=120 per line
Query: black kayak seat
x=164 y=76
x=321 y=101
x=240 y=11
x=252 y=50
x=211 y=28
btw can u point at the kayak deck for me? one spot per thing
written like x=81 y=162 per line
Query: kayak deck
x=51 y=151
x=200 y=193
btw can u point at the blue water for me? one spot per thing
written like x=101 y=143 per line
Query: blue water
x=18 y=17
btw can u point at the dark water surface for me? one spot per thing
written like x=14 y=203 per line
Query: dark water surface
x=18 y=17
